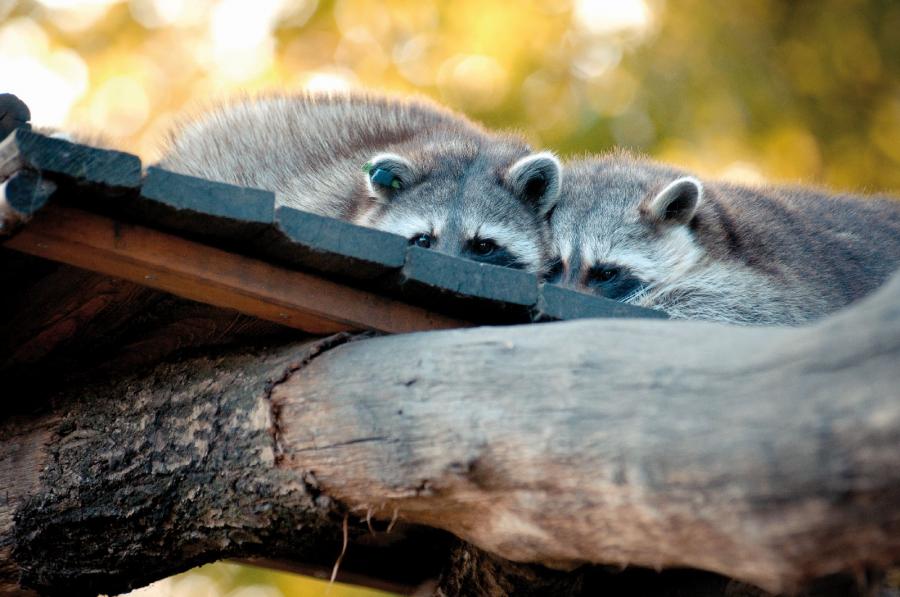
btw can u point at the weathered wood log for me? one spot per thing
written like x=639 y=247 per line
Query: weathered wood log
x=769 y=455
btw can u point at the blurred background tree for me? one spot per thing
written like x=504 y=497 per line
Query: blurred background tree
x=806 y=90
x=752 y=90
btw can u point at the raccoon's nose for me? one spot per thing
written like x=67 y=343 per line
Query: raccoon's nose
x=561 y=273
x=571 y=279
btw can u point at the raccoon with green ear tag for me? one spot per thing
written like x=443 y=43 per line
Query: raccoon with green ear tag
x=408 y=167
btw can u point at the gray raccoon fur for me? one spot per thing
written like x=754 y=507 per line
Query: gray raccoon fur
x=652 y=235
x=462 y=190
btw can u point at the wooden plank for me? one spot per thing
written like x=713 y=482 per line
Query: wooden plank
x=216 y=277
x=333 y=246
x=197 y=208
x=179 y=192
x=557 y=303
x=114 y=170
x=245 y=220
x=475 y=291
x=70 y=311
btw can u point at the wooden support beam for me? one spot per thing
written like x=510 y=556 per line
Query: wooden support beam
x=202 y=273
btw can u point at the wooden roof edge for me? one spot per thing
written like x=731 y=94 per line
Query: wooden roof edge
x=232 y=247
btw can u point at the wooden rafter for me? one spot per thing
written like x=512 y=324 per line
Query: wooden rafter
x=203 y=273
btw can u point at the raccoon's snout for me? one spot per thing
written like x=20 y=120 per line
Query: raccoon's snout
x=562 y=274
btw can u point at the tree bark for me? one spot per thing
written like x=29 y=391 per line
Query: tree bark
x=768 y=455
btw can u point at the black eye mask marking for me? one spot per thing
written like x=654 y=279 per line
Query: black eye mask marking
x=612 y=281
x=488 y=251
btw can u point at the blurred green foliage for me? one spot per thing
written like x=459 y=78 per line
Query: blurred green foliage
x=802 y=90
x=806 y=90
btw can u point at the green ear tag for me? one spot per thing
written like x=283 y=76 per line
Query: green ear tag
x=385 y=178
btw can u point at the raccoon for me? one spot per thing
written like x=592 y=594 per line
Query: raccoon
x=403 y=166
x=649 y=234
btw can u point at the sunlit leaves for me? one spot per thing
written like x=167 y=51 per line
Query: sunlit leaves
x=798 y=91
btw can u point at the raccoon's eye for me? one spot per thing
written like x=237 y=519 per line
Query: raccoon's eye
x=614 y=282
x=605 y=274
x=485 y=247
x=423 y=240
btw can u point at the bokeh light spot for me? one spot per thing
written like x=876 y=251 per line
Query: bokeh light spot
x=606 y=17
x=157 y=13
x=49 y=80
x=474 y=82
x=328 y=81
x=120 y=107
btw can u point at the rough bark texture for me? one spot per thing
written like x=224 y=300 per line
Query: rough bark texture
x=768 y=455
x=128 y=481
x=128 y=462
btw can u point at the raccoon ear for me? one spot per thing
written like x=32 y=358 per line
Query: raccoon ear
x=387 y=173
x=675 y=204
x=536 y=180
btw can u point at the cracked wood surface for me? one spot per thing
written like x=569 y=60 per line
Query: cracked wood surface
x=768 y=455
x=765 y=454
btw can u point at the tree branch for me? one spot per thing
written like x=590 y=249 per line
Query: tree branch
x=768 y=455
